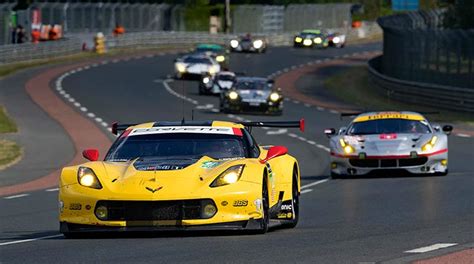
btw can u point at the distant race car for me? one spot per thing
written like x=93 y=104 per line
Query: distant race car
x=209 y=175
x=195 y=66
x=216 y=51
x=337 y=40
x=222 y=81
x=249 y=43
x=252 y=94
x=389 y=141
x=311 y=38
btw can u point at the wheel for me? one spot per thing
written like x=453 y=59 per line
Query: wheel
x=335 y=175
x=295 y=202
x=442 y=173
x=266 y=207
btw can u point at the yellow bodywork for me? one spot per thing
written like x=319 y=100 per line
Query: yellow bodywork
x=122 y=182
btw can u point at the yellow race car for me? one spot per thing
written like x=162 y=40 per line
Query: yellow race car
x=208 y=175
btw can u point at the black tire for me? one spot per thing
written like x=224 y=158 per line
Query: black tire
x=335 y=175
x=295 y=202
x=442 y=173
x=266 y=208
x=70 y=235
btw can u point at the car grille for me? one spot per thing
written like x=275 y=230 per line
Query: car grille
x=388 y=163
x=154 y=210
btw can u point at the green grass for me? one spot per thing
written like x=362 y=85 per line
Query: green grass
x=6 y=123
x=352 y=86
x=10 y=153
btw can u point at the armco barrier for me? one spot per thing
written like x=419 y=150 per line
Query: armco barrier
x=439 y=96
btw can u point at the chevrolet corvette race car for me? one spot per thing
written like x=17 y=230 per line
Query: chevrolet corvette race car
x=389 y=142
x=215 y=51
x=209 y=175
x=311 y=38
x=252 y=94
x=195 y=66
x=218 y=83
x=249 y=43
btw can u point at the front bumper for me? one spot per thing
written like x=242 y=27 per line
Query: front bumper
x=432 y=164
x=78 y=206
x=262 y=107
x=248 y=225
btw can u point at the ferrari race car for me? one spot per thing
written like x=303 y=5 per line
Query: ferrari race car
x=195 y=66
x=336 y=40
x=217 y=52
x=209 y=175
x=389 y=142
x=252 y=94
x=218 y=83
x=311 y=38
x=248 y=43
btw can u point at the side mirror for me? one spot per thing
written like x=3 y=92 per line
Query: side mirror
x=342 y=130
x=274 y=152
x=447 y=129
x=91 y=154
x=330 y=132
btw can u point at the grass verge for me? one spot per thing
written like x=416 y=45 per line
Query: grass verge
x=352 y=86
x=6 y=123
x=10 y=153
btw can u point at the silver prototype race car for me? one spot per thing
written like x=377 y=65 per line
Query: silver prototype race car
x=389 y=142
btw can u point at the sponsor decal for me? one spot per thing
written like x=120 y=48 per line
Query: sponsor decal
x=258 y=205
x=182 y=129
x=210 y=164
x=158 y=167
x=88 y=207
x=240 y=203
x=286 y=207
x=75 y=206
x=224 y=203
x=153 y=190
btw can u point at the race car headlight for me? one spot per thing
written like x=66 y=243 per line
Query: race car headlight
x=229 y=176
x=180 y=67
x=220 y=58
x=206 y=80
x=318 y=40
x=336 y=40
x=233 y=95
x=307 y=42
x=430 y=144
x=213 y=69
x=274 y=97
x=258 y=43
x=298 y=39
x=86 y=177
x=348 y=149
x=234 y=43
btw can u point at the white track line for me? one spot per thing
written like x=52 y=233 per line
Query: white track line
x=463 y=135
x=314 y=183
x=306 y=191
x=431 y=248
x=28 y=240
x=16 y=196
x=52 y=190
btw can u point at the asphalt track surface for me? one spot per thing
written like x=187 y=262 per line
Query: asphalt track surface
x=341 y=221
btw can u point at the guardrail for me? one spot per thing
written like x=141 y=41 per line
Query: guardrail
x=434 y=95
x=15 y=53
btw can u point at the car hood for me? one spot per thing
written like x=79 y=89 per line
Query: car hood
x=385 y=144
x=171 y=178
x=254 y=94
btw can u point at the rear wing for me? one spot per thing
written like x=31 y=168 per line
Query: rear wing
x=299 y=124
x=118 y=128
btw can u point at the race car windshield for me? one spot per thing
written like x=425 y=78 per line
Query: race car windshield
x=197 y=60
x=178 y=146
x=384 y=126
x=253 y=85
x=212 y=49
x=310 y=35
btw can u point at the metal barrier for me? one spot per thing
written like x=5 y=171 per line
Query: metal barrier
x=434 y=95
x=417 y=49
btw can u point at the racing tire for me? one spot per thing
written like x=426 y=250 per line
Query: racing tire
x=442 y=173
x=266 y=208
x=335 y=176
x=295 y=202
